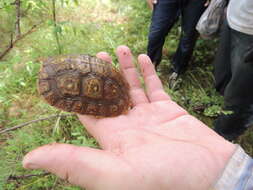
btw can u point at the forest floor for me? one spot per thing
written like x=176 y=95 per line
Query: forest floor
x=89 y=27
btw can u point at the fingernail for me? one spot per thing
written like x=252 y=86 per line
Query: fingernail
x=28 y=163
x=31 y=166
x=123 y=50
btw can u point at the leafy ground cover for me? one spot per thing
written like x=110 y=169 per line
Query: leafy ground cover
x=84 y=26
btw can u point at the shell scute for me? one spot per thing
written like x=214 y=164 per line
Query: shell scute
x=92 y=87
x=92 y=109
x=44 y=87
x=68 y=84
x=52 y=97
x=78 y=107
x=111 y=90
x=84 y=67
x=64 y=104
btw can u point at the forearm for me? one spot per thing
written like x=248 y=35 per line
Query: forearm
x=238 y=174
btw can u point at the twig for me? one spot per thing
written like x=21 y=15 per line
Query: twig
x=17 y=24
x=14 y=177
x=56 y=126
x=55 y=182
x=12 y=43
x=34 y=121
x=55 y=26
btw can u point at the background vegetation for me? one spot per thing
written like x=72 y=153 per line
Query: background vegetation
x=31 y=30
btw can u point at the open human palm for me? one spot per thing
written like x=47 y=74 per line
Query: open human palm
x=156 y=145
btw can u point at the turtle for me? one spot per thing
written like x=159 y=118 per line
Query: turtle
x=83 y=84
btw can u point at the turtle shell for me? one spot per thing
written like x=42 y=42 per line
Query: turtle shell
x=83 y=84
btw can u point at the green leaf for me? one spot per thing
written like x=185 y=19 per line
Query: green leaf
x=58 y=29
x=76 y=2
x=50 y=22
x=74 y=30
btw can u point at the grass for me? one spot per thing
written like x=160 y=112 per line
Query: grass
x=89 y=27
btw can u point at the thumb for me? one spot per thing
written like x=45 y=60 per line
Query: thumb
x=78 y=165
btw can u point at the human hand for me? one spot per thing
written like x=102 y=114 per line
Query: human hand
x=207 y=3
x=156 y=145
x=151 y=3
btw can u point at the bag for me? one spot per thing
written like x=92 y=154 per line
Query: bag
x=210 y=21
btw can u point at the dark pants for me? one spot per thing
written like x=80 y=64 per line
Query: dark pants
x=234 y=79
x=165 y=14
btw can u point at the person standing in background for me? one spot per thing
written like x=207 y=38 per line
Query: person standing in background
x=165 y=14
x=234 y=70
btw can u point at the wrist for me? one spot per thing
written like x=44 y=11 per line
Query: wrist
x=236 y=173
x=226 y=152
x=222 y=152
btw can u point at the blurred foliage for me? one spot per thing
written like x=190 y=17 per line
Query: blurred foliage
x=82 y=26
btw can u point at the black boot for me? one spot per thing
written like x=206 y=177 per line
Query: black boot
x=231 y=126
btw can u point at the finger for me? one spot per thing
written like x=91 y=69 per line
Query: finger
x=155 y=91
x=104 y=56
x=87 y=120
x=207 y=3
x=78 y=165
x=125 y=58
